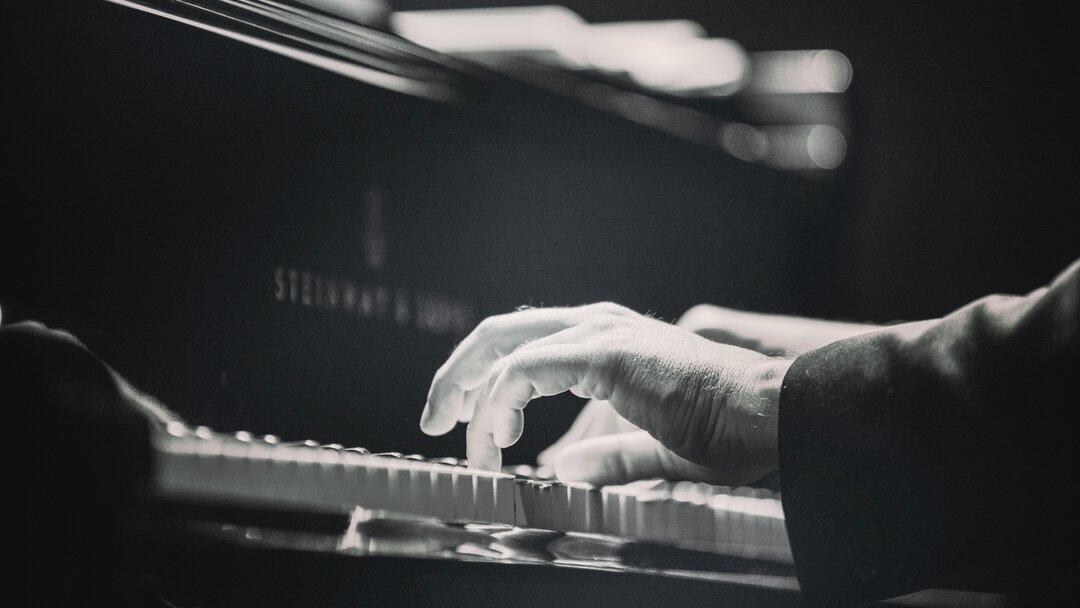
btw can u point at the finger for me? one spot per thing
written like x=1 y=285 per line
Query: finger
x=626 y=457
x=508 y=426
x=468 y=405
x=471 y=362
x=480 y=448
x=531 y=373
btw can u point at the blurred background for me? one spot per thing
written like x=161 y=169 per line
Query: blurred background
x=280 y=222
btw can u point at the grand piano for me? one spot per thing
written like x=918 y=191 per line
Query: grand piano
x=277 y=218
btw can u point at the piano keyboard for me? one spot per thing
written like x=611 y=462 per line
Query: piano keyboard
x=202 y=464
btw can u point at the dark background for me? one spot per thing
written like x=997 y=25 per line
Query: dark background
x=960 y=172
x=156 y=177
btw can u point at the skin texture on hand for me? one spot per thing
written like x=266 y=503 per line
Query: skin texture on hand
x=708 y=410
x=768 y=334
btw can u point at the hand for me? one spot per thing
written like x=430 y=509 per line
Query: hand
x=66 y=369
x=707 y=410
x=764 y=333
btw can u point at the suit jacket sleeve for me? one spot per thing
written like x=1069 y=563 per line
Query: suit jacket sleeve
x=932 y=454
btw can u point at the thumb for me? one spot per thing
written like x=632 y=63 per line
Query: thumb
x=625 y=457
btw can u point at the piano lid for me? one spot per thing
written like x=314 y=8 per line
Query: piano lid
x=784 y=110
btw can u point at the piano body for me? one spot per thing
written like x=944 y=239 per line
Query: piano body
x=282 y=226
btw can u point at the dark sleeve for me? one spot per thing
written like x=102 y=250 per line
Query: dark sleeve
x=937 y=453
x=84 y=456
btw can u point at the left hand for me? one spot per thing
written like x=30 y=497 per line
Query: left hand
x=707 y=410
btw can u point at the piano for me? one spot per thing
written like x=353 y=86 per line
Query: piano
x=278 y=219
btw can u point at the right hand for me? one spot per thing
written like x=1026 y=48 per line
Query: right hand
x=707 y=410
x=764 y=333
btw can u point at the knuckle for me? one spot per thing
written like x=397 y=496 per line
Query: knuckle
x=604 y=323
x=487 y=328
x=514 y=364
x=610 y=308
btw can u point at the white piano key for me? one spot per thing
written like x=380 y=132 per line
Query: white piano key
x=702 y=516
x=483 y=496
x=542 y=515
x=260 y=463
x=648 y=513
x=331 y=480
x=609 y=502
x=523 y=496
x=682 y=525
x=442 y=491
x=504 y=499
x=627 y=512
x=463 y=495
x=721 y=520
x=358 y=480
x=741 y=521
x=379 y=477
x=420 y=491
x=397 y=498
x=579 y=507
x=594 y=511
x=560 y=506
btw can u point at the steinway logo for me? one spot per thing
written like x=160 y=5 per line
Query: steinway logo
x=324 y=293
x=422 y=310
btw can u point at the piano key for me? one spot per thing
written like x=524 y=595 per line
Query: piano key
x=703 y=516
x=420 y=495
x=380 y=484
x=504 y=499
x=579 y=507
x=523 y=502
x=721 y=520
x=738 y=521
x=609 y=499
x=560 y=506
x=483 y=496
x=627 y=512
x=683 y=523
x=442 y=492
x=539 y=497
x=358 y=485
x=463 y=495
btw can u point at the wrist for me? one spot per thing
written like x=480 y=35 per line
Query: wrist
x=761 y=435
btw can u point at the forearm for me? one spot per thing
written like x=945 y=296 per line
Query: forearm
x=767 y=333
x=903 y=452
